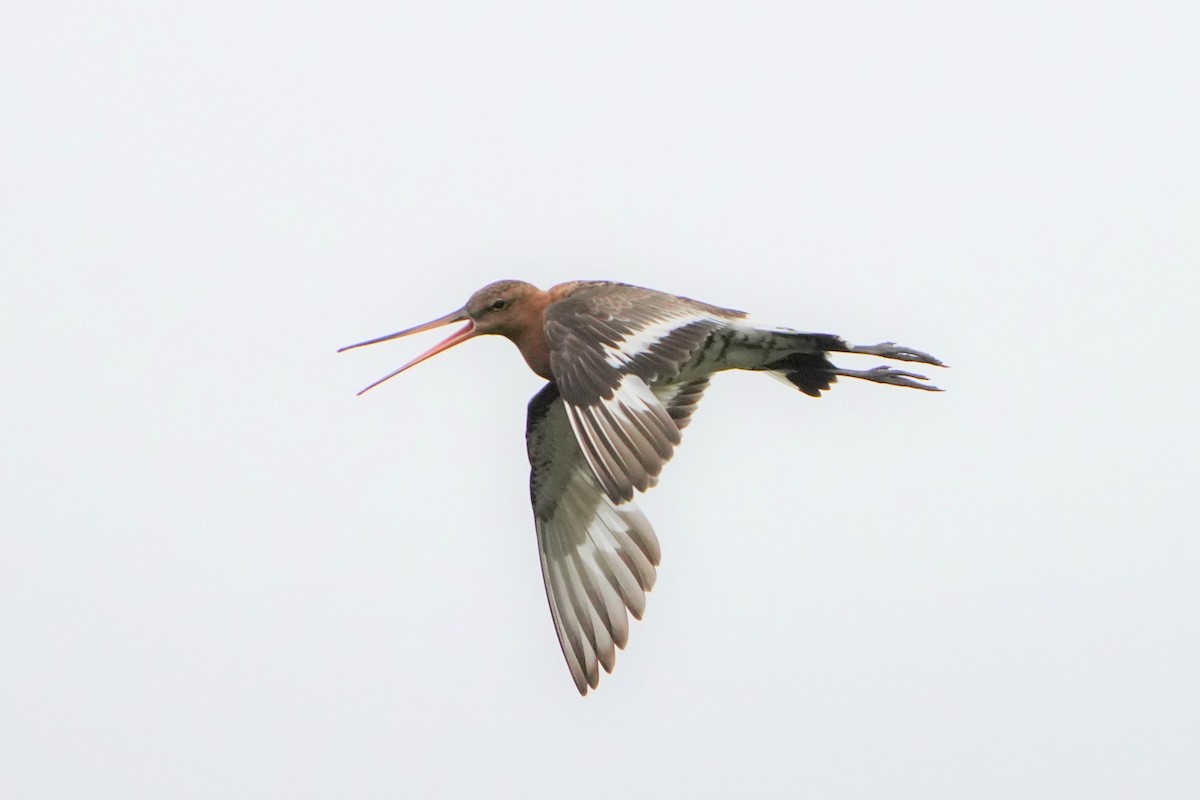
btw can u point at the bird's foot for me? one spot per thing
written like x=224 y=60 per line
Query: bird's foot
x=897 y=352
x=894 y=377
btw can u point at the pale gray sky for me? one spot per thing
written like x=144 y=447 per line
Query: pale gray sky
x=224 y=575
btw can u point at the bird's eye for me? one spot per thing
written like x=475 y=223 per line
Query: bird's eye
x=499 y=304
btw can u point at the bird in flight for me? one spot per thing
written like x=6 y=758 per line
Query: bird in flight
x=625 y=367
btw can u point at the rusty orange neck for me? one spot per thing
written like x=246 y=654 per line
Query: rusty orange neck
x=529 y=333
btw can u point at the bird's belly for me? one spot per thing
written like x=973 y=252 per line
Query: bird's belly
x=739 y=346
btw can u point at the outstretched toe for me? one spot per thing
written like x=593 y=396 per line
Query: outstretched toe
x=890 y=376
x=898 y=353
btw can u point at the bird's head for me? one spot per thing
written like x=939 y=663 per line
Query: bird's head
x=500 y=307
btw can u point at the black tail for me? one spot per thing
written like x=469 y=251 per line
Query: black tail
x=812 y=372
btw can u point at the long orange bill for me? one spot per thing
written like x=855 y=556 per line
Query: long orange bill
x=456 y=338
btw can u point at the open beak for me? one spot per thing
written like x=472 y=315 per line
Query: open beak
x=457 y=337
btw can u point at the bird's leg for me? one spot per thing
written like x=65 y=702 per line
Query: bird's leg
x=894 y=377
x=894 y=351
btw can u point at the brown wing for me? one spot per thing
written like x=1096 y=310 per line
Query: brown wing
x=598 y=557
x=612 y=346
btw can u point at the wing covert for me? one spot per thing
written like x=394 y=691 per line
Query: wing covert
x=612 y=347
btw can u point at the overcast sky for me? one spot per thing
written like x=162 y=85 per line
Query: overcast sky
x=222 y=575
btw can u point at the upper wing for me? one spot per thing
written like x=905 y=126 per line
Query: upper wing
x=598 y=557
x=609 y=344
